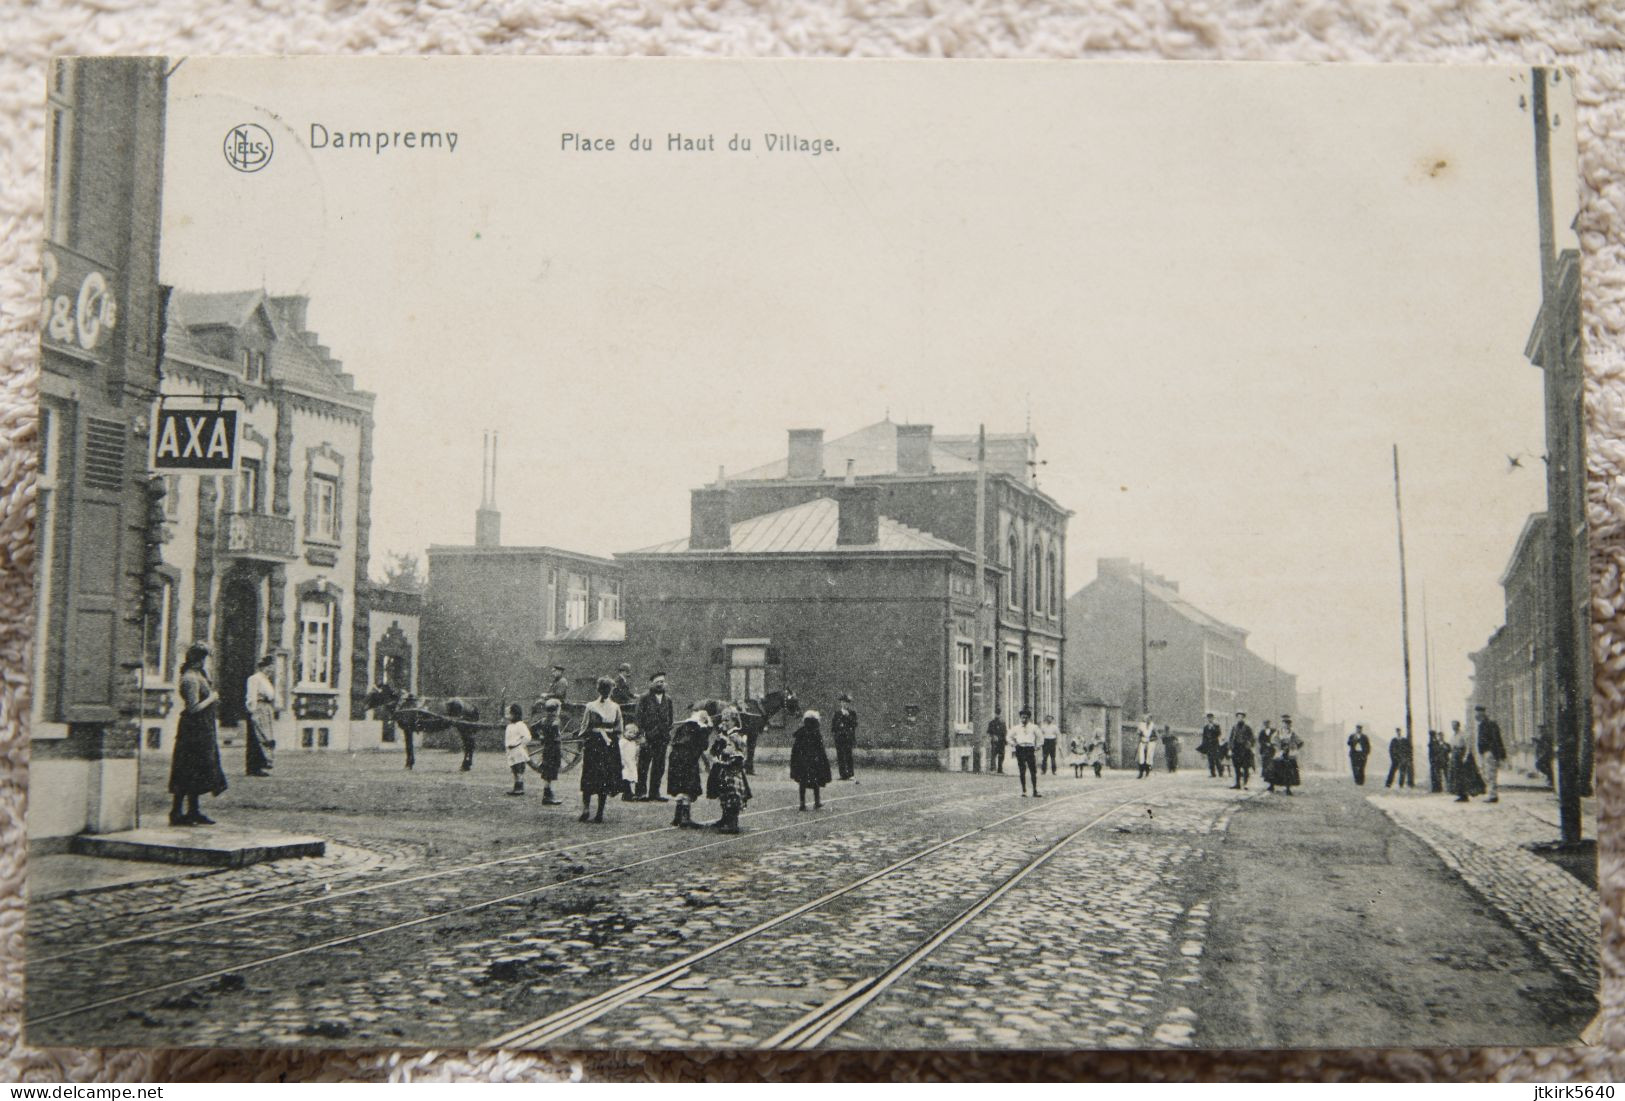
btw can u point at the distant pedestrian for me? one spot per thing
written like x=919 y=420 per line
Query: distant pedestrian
x=1077 y=755
x=1209 y=746
x=1145 y=754
x=1024 y=741
x=516 y=742
x=544 y=728
x=1241 y=750
x=1050 y=732
x=1170 y=748
x=1438 y=760
x=1097 y=754
x=1464 y=778
x=601 y=726
x=1492 y=751
x=1284 y=765
x=1400 y=764
x=688 y=744
x=654 y=721
x=809 y=763
x=1266 y=753
x=1544 y=754
x=559 y=687
x=260 y=702
x=997 y=733
x=843 y=728
x=623 y=693
x=194 y=766
x=1359 y=751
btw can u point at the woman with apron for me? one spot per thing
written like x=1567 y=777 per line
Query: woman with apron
x=600 y=751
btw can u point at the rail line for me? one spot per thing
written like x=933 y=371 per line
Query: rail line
x=441 y=915
x=811 y=1028
x=326 y=896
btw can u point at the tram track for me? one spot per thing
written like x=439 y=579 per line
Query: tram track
x=239 y=967
x=326 y=895
x=812 y=1028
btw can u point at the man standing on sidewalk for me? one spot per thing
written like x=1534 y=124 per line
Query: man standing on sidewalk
x=1438 y=760
x=1492 y=751
x=654 y=720
x=1051 y=733
x=1209 y=746
x=1024 y=740
x=1241 y=750
x=997 y=733
x=844 y=727
x=1359 y=751
x=1399 y=761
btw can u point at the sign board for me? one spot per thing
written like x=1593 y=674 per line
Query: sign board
x=194 y=439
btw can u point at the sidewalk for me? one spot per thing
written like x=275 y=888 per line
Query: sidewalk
x=1488 y=845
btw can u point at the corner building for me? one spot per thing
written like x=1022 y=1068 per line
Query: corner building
x=850 y=566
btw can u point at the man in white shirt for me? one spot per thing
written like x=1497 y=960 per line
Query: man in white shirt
x=260 y=703
x=1051 y=731
x=1024 y=739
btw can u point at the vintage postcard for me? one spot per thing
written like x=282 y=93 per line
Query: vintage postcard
x=780 y=554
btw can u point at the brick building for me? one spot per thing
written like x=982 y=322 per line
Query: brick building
x=1196 y=662
x=99 y=347
x=850 y=566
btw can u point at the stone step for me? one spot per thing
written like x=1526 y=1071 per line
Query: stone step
x=211 y=846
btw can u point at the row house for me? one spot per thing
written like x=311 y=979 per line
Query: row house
x=271 y=559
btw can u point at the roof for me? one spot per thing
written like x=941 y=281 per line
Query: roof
x=810 y=528
x=467 y=550
x=599 y=630
x=296 y=356
x=873 y=450
x=1163 y=593
x=1534 y=528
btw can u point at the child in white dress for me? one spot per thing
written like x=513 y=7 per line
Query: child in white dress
x=515 y=738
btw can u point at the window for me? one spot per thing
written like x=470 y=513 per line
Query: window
x=1053 y=584
x=609 y=600
x=1012 y=582
x=575 y=601
x=1035 y=580
x=1012 y=684
x=550 y=624
x=59 y=188
x=962 y=680
x=324 y=508
x=1051 y=700
x=248 y=363
x=156 y=650
x=172 y=497
x=747 y=672
x=316 y=643
x=250 y=494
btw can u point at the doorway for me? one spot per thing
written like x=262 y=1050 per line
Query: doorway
x=239 y=644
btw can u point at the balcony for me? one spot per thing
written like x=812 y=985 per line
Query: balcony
x=257 y=535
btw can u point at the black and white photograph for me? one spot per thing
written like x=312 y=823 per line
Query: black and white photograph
x=723 y=555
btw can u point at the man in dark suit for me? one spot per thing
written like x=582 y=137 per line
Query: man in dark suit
x=844 y=729
x=1399 y=761
x=654 y=721
x=997 y=735
x=624 y=695
x=1359 y=751
x=559 y=687
x=1492 y=751
x=1209 y=746
x=1241 y=750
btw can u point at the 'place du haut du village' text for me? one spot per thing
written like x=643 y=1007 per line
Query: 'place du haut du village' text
x=684 y=142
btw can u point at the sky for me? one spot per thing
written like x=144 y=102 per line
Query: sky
x=1220 y=295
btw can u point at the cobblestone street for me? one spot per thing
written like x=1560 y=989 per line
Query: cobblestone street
x=914 y=910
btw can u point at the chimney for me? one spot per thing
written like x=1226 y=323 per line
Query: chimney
x=914 y=449
x=710 y=515
x=487 y=520
x=857 y=515
x=806 y=453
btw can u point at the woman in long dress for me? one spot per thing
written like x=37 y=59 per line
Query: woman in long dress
x=194 y=768
x=1284 y=766
x=809 y=762
x=600 y=752
x=261 y=701
x=688 y=743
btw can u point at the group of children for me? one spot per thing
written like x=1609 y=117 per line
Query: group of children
x=711 y=741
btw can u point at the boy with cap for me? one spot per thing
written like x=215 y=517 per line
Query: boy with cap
x=844 y=727
x=1024 y=740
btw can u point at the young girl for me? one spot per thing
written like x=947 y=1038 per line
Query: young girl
x=515 y=738
x=1076 y=755
x=631 y=743
x=732 y=789
x=544 y=726
x=600 y=761
x=809 y=763
x=688 y=743
x=1097 y=754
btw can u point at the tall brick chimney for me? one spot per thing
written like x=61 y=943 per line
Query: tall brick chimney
x=710 y=516
x=487 y=520
x=858 y=515
x=914 y=449
x=806 y=453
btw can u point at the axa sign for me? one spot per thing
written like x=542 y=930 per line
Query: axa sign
x=194 y=439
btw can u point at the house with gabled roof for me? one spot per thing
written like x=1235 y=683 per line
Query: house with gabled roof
x=272 y=559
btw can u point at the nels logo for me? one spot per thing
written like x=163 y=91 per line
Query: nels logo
x=248 y=147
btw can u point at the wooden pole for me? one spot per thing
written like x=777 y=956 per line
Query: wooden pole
x=978 y=687
x=1404 y=608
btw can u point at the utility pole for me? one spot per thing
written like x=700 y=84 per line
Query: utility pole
x=1145 y=652
x=1427 y=659
x=978 y=688
x=1404 y=609
x=1562 y=455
